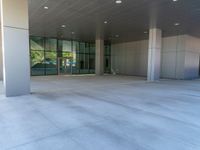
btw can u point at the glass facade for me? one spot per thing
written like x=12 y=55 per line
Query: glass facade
x=107 y=58
x=51 y=56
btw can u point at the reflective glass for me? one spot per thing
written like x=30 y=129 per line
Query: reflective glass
x=107 y=58
x=87 y=47
x=37 y=63
x=82 y=47
x=51 y=63
x=92 y=48
x=37 y=43
x=50 y=44
x=92 y=63
x=72 y=57
x=66 y=46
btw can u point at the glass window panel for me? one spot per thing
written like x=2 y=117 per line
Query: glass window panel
x=81 y=61
x=76 y=47
x=87 y=48
x=37 y=63
x=107 y=60
x=67 y=62
x=67 y=55
x=51 y=63
x=59 y=54
x=107 y=64
x=37 y=43
x=82 y=47
x=84 y=63
x=74 y=61
x=92 y=63
x=107 y=50
x=76 y=67
x=50 y=44
x=80 y=56
x=59 y=45
x=66 y=46
x=87 y=63
x=92 y=48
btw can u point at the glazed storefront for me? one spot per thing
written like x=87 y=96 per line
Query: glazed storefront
x=51 y=56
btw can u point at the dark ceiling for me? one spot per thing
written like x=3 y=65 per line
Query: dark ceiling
x=129 y=20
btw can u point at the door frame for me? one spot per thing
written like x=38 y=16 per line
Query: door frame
x=59 y=59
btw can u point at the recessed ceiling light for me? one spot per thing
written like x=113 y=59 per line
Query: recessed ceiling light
x=46 y=7
x=72 y=32
x=63 y=26
x=175 y=0
x=118 y=1
x=176 y=24
x=116 y=36
x=105 y=22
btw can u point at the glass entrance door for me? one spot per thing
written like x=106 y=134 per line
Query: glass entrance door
x=64 y=66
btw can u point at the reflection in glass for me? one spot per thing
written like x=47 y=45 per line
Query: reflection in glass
x=50 y=44
x=50 y=62
x=107 y=58
x=50 y=56
x=37 y=63
x=37 y=43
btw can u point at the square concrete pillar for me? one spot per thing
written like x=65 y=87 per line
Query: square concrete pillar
x=99 y=66
x=1 y=59
x=15 y=47
x=154 y=54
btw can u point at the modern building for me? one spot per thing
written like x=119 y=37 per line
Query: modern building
x=132 y=63
x=157 y=39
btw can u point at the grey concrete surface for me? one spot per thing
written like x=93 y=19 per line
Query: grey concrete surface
x=15 y=40
x=102 y=113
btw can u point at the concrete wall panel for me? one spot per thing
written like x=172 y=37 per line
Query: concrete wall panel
x=1 y=58
x=179 y=57
x=192 y=57
x=130 y=58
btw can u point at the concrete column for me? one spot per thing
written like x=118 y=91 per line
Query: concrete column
x=154 y=54
x=15 y=46
x=1 y=59
x=99 y=66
